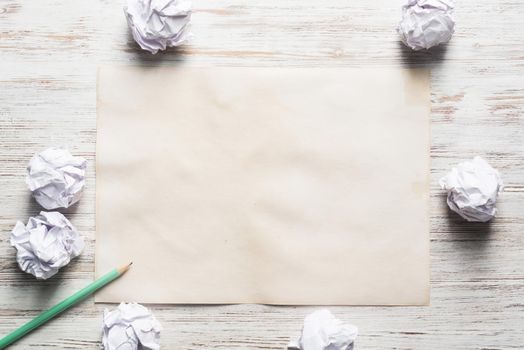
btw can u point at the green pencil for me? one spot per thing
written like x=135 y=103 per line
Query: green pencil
x=62 y=306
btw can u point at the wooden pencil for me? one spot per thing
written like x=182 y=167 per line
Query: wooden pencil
x=63 y=305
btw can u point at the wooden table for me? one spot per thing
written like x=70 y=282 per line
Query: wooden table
x=49 y=51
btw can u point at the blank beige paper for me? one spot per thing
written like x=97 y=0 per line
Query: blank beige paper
x=264 y=185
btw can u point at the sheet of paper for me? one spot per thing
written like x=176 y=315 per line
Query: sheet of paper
x=264 y=185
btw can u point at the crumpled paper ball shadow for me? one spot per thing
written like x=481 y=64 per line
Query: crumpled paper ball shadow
x=158 y=24
x=472 y=190
x=322 y=331
x=426 y=23
x=430 y=58
x=55 y=178
x=130 y=326
x=47 y=243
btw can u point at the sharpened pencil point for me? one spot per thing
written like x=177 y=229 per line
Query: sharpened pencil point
x=124 y=268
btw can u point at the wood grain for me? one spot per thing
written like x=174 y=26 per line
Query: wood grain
x=49 y=51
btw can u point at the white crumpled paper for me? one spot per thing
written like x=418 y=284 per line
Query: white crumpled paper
x=426 y=23
x=131 y=326
x=47 y=243
x=56 y=178
x=322 y=331
x=473 y=187
x=157 y=24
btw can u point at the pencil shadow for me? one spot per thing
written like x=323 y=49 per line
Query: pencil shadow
x=422 y=58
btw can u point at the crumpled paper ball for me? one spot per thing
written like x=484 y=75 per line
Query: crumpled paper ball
x=473 y=187
x=157 y=24
x=322 y=331
x=47 y=243
x=129 y=327
x=56 y=178
x=426 y=23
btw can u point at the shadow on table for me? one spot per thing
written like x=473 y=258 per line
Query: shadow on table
x=43 y=292
x=473 y=230
x=472 y=237
x=34 y=209
x=170 y=56
x=423 y=58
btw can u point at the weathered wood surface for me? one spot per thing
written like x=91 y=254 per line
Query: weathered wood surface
x=49 y=51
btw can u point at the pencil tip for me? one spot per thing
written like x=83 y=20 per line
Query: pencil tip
x=124 y=268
